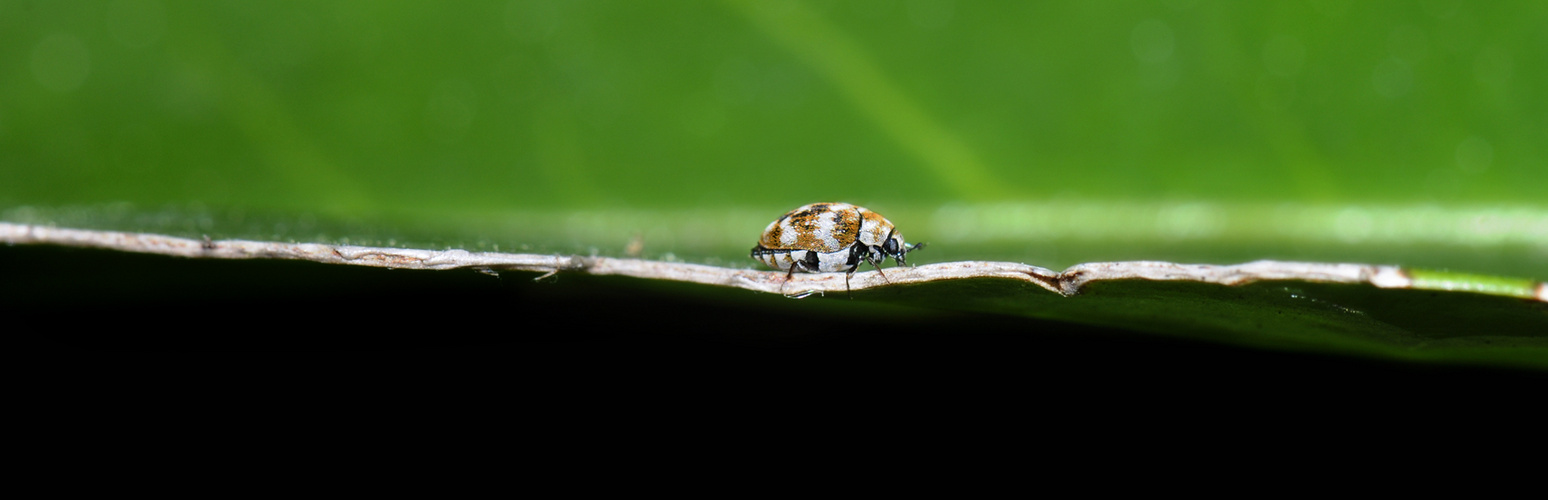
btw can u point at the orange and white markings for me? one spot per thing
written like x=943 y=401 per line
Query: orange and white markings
x=830 y=238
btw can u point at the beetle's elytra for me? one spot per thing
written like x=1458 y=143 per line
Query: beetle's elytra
x=830 y=238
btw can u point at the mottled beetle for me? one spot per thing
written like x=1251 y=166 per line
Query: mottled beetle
x=830 y=238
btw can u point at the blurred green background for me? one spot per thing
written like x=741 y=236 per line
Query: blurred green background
x=1406 y=132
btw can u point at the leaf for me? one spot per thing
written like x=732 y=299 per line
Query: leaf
x=1324 y=307
x=1390 y=133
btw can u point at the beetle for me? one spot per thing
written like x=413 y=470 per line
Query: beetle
x=830 y=238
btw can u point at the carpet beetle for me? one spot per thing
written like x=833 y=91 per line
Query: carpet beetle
x=830 y=238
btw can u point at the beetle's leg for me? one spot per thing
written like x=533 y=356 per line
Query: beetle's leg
x=788 y=274
x=877 y=265
x=809 y=263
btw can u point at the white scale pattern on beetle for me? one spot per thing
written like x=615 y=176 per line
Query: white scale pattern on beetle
x=874 y=233
x=826 y=224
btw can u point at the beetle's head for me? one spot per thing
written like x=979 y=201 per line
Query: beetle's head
x=895 y=247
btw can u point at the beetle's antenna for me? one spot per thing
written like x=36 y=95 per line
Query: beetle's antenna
x=906 y=249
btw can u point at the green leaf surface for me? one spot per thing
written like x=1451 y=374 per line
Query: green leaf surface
x=1416 y=325
x=1388 y=132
